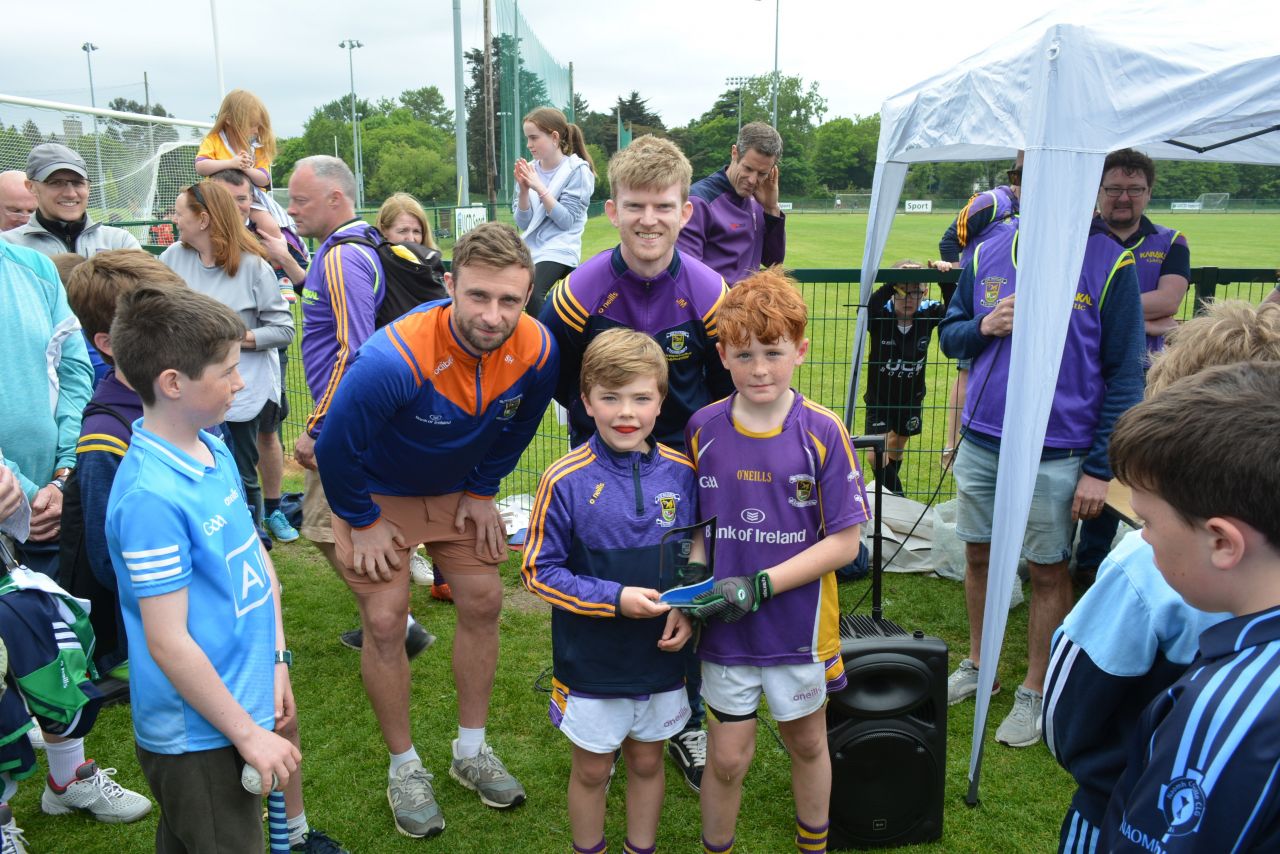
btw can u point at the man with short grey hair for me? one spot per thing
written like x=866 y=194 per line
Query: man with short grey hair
x=59 y=179
x=340 y=299
x=737 y=223
x=17 y=204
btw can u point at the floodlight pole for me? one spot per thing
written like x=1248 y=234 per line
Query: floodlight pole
x=738 y=83
x=89 y=48
x=502 y=158
x=459 y=113
x=350 y=45
x=777 y=14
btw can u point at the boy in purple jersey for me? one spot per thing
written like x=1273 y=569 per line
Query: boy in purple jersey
x=595 y=553
x=779 y=473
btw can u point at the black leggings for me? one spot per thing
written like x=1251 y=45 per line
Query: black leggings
x=545 y=274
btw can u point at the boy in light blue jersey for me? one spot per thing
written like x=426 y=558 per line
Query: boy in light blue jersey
x=198 y=592
x=1202 y=766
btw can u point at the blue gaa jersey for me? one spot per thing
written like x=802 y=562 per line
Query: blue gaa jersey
x=1127 y=640
x=774 y=495
x=174 y=523
x=1203 y=770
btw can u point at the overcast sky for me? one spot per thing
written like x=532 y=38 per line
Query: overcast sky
x=676 y=53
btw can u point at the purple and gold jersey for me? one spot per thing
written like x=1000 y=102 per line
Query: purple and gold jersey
x=774 y=495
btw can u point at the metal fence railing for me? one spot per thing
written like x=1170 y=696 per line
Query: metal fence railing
x=832 y=297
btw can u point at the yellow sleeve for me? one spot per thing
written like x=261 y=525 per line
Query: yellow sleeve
x=213 y=149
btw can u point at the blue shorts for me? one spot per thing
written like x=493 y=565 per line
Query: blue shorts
x=1050 y=528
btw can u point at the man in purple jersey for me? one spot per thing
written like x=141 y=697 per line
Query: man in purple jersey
x=737 y=224
x=1100 y=377
x=1163 y=262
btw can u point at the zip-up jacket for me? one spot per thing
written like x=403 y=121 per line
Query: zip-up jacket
x=92 y=239
x=597 y=526
x=730 y=234
x=677 y=308
x=420 y=415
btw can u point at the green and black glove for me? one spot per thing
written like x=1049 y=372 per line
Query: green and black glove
x=731 y=599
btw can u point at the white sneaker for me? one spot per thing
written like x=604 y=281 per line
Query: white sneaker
x=94 y=791
x=420 y=569
x=1022 y=726
x=35 y=736
x=12 y=841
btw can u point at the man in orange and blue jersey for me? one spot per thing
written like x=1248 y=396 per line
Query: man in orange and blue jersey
x=435 y=409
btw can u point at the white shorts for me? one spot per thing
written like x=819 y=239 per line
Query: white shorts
x=793 y=690
x=601 y=724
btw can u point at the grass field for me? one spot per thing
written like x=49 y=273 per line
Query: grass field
x=1023 y=792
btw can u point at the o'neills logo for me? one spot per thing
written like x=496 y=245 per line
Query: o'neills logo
x=608 y=301
x=443 y=366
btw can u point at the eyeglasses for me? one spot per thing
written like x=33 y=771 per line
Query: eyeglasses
x=917 y=293
x=1131 y=192
x=61 y=184
x=1014 y=176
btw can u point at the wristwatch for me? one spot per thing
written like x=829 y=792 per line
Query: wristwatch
x=60 y=479
x=285 y=657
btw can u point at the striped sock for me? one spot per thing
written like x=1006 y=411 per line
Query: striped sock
x=629 y=847
x=811 y=839
x=599 y=848
x=708 y=848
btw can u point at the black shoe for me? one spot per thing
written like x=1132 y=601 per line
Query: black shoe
x=416 y=640
x=318 y=842
x=689 y=751
x=353 y=639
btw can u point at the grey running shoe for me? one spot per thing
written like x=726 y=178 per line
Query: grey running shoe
x=1022 y=727
x=963 y=683
x=93 y=791
x=485 y=774
x=413 y=802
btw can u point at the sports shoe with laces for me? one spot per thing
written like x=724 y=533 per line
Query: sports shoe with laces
x=317 y=841
x=277 y=524
x=963 y=683
x=420 y=569
x=35 y=735
x=441 y=592
x=485 y=774
x=689 y=751
x=416 y=640
x=12 y=840
x=94 y=791
x=413 y=801
x=1021 y=728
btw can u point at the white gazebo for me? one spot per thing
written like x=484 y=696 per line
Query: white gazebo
x=1179 y=80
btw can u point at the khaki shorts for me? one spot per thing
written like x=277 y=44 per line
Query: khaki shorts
x=317 y=524
x=427 y=520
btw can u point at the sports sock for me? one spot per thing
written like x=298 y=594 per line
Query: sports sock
x=399 y=760
x=599 y=848
x=8 y=788
x=811 y=839
x=64 y=758
x=408 y=624
x=708 y=848
x=469 y=741
x=270 y=505
x=298 y=828
x=628 y=847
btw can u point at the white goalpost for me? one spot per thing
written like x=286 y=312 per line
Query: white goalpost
x=136 y=163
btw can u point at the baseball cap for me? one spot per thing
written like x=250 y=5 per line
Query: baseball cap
x=49 y=157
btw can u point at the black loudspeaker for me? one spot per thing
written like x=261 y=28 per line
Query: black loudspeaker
x=887 y=733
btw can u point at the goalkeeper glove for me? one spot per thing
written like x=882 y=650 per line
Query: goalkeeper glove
x=731 y=599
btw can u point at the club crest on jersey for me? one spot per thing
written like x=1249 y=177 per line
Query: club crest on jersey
x=1182 y=803
x=677 y=343
x=802 y=495
x=666 y=502
x=913 y=423
x=509 y=407
x=991 y=286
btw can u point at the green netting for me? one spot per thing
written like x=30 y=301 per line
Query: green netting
x=544 y=82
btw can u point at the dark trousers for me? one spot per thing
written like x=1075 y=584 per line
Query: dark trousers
x=1095 y=540
x=242 y=440
x=203 y=807
x=545 y=274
